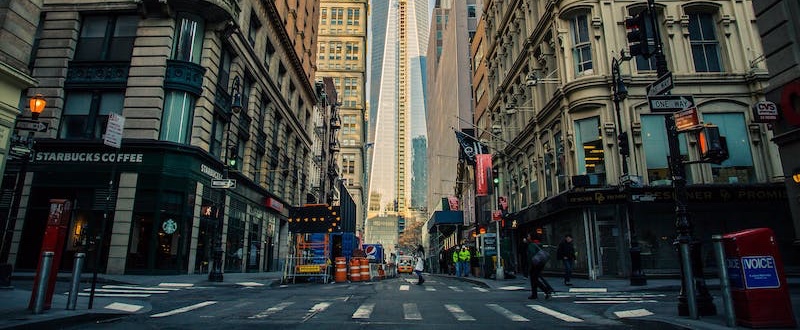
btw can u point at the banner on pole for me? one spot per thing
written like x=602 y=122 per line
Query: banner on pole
x=470 y=146
x=483 y=164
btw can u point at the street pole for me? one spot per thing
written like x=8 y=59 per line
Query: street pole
x=98 y=247
x=637 y=274
x=704 y=301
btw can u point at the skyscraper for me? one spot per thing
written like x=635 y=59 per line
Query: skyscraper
x=397 y=114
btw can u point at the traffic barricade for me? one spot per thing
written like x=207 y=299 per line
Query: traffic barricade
x=355 y=270
x=364 y=269
x=340 y=274
x=757 y=279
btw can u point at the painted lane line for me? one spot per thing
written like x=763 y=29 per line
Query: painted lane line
x=480 y=289
x=633 y=313
x=119 y=295
x=249 y=284
x=130 y=287
x=615 y=301
x=176 y=285
x=316 y=309
x=272 y=310
x=512 y=288
x=411 y=312
x=405 y=287
x=583 y=290
x=558 y=315
x=184 y=309
x=429 y=288
x=125 y=291
x=124 y=307
x=507 y=313
x=456 y=289
x=458 y=313
x=364 y=311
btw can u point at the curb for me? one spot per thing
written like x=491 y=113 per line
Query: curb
x=61 y=322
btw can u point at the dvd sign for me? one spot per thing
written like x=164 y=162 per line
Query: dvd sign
x=765 y=112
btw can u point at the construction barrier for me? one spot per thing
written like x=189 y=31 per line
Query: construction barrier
x=381 y=273
x=364 y=269
x=340 y=275
x=355 y=270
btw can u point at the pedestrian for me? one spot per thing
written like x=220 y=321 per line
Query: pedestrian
x=418 y=268
x=536 y=267
x=566 y=253
x=463 y=259
x=456 y=264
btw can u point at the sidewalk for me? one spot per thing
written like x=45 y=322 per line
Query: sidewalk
x=14 y=311
x=666 y=312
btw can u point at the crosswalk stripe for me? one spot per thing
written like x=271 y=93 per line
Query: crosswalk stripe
x=405 y=287
x=124 y=307
x=456 y=289
x=250 y=284
x=125 y=291
x=316 y=309
x=131 y=287
x=411 y=312
x=364 y=311
x=615 y=301
x=458 y=313
x=184 y=309
x=633 y=313
x=556 y=314
x=272 y=310
x=430 y=288
x=119 y=295
x=175 y=285
x=480 y=289
x=507 y=313
x=588 y=290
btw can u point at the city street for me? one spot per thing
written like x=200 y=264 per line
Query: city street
x=397 y=303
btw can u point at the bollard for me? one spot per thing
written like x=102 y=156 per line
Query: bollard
x=724 y=283
x=691 y=298
x=41 y=287
x=72 y=301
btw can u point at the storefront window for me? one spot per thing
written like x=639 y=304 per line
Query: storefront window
x=590 y=152
x=176 y=122
x=738 y=168
x=234 y=243
x=656 y=150
x=160 y=233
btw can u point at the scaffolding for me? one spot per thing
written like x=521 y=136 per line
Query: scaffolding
x=309 y=258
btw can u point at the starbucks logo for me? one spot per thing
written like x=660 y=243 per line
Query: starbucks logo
x=169 y=226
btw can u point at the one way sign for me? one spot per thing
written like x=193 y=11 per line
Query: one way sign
x=670 y=103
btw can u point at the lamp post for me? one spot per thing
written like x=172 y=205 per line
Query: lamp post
x=215 y=274
x=621 y=93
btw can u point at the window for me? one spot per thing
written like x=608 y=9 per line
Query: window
x=176 y=122
x=357 y=17
x=738 y=168
x=348 y=164
x=86 y=113
x=590 y=153
x=106 y=38
x=253 y=31
x=349 y=124
x=324 y=16
x=705 y=47
x=561 y=162
x=262 y=112
x=224 y=70
x=240 y=147
x=471 y=12
x=268 y=54
x=337 y=16
x=582 y=49
x=656 y=149
x=188 y=39
x=259 y=161
x=217 y=133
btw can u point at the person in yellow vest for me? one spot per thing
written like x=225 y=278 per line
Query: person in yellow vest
x=456 y=264
x=463 y=260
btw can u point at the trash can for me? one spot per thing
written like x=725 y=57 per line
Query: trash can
x=757 y=279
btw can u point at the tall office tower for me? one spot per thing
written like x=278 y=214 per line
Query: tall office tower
x=341 y=55
x=400 y=38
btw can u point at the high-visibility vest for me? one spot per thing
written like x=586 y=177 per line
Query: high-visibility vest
x=464 y=255
x=455 y=256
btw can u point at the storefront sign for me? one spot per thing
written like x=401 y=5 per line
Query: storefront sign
x=88 y=157
x=596 y=198
x=169 y=226
x=713 y=194
x=274 y=204
x=210 y=172
x=765 y=112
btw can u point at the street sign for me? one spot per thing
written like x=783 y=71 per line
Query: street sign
x=662 y=85
x=223 y=183
x=114 y=128
x=765 y=112
x=670 y=103
x=687 y=120
x=32 y=125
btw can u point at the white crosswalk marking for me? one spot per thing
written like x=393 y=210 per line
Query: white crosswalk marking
x=316 y=309
x=133 y=287
x=574 y=290
x=176 y=285
x=364 y=311
x=456 y=289
x=411 y=312
x=430 y=288
x=480 y=289
x=507 y=313
x=458 y=313
x=633 y=313
x=125 y=291
x=124 y=307
x=556 y=314
x=405 y=287
x=272 y=310
x=184 y=309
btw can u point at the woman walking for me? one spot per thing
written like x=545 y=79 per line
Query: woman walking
x=537 y=263
x=418 y=268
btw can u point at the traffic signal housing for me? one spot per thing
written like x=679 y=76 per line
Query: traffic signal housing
x=233 y=155
x=639 y=35
x=624 y=146
x=713 y=146
x=495 y=176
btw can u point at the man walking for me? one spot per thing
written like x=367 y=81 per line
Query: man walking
x=566 y=253
x=535 y=269
x=464 y=256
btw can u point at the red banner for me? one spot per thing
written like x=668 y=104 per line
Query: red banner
x=483 y=164
x=453 y=201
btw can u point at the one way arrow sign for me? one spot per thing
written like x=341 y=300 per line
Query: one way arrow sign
x=670 y=103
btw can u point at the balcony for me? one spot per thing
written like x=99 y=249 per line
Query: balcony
x=94 y=74
x=212 y=10
x=184 y=76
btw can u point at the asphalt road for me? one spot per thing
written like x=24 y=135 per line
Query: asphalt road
x=398 y=303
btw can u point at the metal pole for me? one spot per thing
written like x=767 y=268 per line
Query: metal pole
x=724 y=284
x=16 y=196
x=98 y=247
x=41 y=286
x=72 y=301
x=689 y=282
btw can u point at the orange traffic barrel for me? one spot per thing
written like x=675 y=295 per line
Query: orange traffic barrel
x=381 y=272
x=341 y=270
x=364 y=269
x=355 y=270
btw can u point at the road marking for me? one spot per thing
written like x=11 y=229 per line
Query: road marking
x=184 y=309
x=558 y=315
x=405 y=287
x=583 y=290
x=456 y=289
x=614 y=301
x=125 y=291
x=272 y=310
x=411 y=312
x=507 y=313
x=458 y=313
x=120 y=295
x=249 y=284
x=429 y=288
x=364 y=311
x=130 y=287
x=633 y=313
x=316 y=309
x=512 y=288
x=124 y=307
x=175 y=285
x=480 y=289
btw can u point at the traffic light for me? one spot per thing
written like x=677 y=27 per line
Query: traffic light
x=713 y=147
x=233 y=155
x=624 y=146
x=638 y=34
x=495 y=176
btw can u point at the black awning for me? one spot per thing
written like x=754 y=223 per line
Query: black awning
x=451 y=218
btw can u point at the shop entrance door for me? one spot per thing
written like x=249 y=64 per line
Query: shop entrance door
x=607 y=232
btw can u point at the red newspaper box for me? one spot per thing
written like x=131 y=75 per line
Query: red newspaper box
x=758 y=283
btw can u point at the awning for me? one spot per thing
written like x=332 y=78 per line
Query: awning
x=440 y=218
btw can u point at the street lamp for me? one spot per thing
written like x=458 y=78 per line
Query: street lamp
x=620 y=94
x=37 y=104
x=215 y=275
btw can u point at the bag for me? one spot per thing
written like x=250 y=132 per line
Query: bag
x=540 y=258
x=420 y=265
